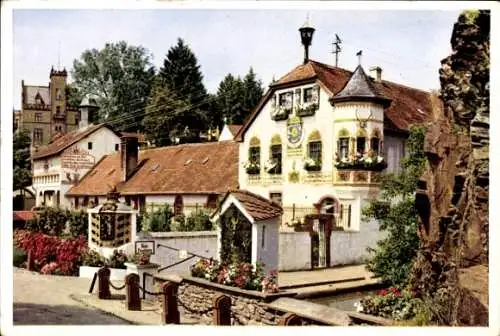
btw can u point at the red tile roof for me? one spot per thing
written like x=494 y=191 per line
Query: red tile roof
x=234 y=129
x=409 y=105
x=258 y=207
x=183 y=169
x=62 y=142
x=23 y=215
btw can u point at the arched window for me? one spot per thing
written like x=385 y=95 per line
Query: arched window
x=178 y=206
x=343 y=144
x=254 y=151
x=275 y=155
x=314 y=151
x=375 y=142
x=360 y=142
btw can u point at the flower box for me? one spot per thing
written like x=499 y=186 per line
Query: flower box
x=307 y=111
x=89 y=271
x=280 y=114
x=252 y=168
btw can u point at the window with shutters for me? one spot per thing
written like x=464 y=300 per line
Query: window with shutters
x=343 y=148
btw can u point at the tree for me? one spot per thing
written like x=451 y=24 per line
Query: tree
x=394 y=255
x=182 y=75
x=169 y=118
x=74 y=95
x=21 y=173
x=120 y=77
x=237 y=98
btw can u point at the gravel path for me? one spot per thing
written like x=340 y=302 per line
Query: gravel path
x=45 y=299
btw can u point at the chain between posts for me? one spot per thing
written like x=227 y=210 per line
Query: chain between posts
x=117 y=288
x=192 y=310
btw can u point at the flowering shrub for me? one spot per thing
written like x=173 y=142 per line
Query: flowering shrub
x=241 y=275
x=312 y=165
x=391 y=303
x=141 y=258
x=117 y=260
x=368 y=161
x=93 y=259
x=46 y=249
x=252 y=168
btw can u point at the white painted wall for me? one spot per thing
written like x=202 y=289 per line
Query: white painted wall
x=294 y=251
x=265 y=243
x=103 y=142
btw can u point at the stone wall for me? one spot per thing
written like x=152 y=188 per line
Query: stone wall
x=196 y=303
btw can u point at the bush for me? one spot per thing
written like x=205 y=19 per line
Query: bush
x=241 y=275
x=198 y=220
x=392 y=303
x=157 y=220
x=117 y=260
x=93 y=259
x=78 y=223
x=18 y=256
x=51 y=221
x=46 y=249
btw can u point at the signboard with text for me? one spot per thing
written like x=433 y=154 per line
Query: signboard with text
x=147 y=246
x=76 y=158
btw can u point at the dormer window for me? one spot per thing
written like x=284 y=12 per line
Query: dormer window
x=308 y=95
x=285 y=99
x=38 y=99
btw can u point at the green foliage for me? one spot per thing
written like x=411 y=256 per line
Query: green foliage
x=236 y=237
x=117 y=260
x=198 y=220
x=78 y=223
x=19 y=256
x=237 y=97
x=119 y=76
x=393 y=303
x=93 y=259
x=169 y=117
x=158 y=220
x=55 y=221
x=21 y=173
x=74 y=95
x=393 y=257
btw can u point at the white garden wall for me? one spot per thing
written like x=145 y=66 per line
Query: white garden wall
x=295 y=251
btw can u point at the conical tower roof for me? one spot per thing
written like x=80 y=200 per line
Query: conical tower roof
x=360 y=87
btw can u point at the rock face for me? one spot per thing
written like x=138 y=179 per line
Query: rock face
x=453 y=197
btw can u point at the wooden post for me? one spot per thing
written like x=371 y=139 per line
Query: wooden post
x=289 y=319
x=133 y=295
x=30 y=263
x=103 y=291
x=170 y=314
x=222 y=310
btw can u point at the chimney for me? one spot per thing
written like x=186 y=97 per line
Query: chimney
x=376 y=73
x=129 y=155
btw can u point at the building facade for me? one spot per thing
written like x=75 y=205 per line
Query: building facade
x=321 y=137
x=62 y=163
x=45 y=110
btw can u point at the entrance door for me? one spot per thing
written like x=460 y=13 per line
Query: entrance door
x=320 y=230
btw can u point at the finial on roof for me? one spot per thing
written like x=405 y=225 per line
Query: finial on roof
x=306 y=35
x=359 y=54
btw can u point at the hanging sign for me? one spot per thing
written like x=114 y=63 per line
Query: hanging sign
x=147 y=246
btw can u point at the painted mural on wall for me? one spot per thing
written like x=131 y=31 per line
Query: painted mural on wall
x=73 y=161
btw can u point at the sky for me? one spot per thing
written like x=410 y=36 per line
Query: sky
x=407 y=45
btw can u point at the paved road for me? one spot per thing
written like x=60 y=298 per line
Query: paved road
x=45 y=299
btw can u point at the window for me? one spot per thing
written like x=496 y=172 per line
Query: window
x=285 y=99
x=374 y=145
x=343 y=148
x=254 y=154
x=59 y=95
x=117 y=147
x=85 y=201
x=308 y=95
x=38 y=100
x=76 y=203
x=38 y=116
x=58 y=110
x=212 y=201
x=276 y=197
x=314 y=150
x=360 y=145
x=89 y=145
x=38 y=135
x=345 y=215
x=263 y=237
x=276 y=157
x=178 y=206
